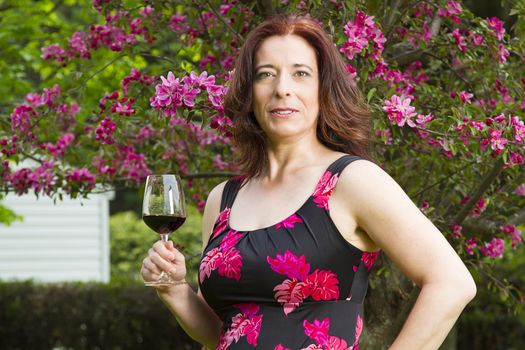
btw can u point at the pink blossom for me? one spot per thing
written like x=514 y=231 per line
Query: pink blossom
x=497 y=142
x=61 y=145
x=385 y=135
x=134 y=167
x=513 y=233
x=123 y=108
x=493 y=249
x=520 y=190
x=465 y=96
x=470 y=244
x=178 y=23
x=78 y=43
x=478 y=208
x=456 y=231
x=350 y=69
x=290 y=265
x=503 y=53
x=289 y=222
x=81 y=176
x=104 y=131
x=496 y=25
x=216 y=95
x=422 y=120
x=477 y=39
x=452 y=9
x=218 y=163
x=145 y=133
x=21 y=118
x=54 y=51
x=360 y=32
x=460 y=40
x=399 y=110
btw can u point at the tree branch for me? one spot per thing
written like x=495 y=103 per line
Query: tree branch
x=266 y=8
x=489 y=178
x=239 y=36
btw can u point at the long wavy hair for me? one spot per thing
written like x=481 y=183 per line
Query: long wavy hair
x=344 y=118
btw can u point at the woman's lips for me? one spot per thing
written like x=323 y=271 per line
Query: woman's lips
x=283 y=116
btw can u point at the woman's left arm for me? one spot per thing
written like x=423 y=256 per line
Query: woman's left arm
x=390 y=218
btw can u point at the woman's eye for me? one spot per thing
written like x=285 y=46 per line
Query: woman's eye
x=264 y=74
x=302 y=73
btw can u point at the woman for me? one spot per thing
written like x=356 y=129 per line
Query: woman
x=289 y=245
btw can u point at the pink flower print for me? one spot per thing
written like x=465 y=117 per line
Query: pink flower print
x=290 y=293
x=313 y=347
x=231 y=263
x=289 y=222
x=324 y=189
x=358 y=330
x=222 y=222
x=369 y=258
x=253 y=329
x=230 y=240
x=243 y=324
x=322 y=285
x=280 y=347
x=225 y=258
x=290 y=265
x=209 y=263
x=317 y=330
x=335 y=343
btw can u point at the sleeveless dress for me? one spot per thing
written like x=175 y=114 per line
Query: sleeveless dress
x=297 y=284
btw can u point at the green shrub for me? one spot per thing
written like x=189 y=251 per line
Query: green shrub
x=130 y=240
x=86 y=316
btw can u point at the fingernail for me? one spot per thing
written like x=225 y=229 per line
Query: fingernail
x=171 y=257
x=173 y=270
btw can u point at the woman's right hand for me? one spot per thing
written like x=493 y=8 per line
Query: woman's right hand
x=164 y=257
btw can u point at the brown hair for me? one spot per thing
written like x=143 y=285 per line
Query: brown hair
x=344 y=118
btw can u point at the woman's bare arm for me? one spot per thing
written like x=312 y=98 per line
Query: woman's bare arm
x=416 y=246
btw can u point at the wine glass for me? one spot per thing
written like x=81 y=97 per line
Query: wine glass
x=164 y=211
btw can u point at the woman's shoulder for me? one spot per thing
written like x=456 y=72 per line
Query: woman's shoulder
x=361 y=171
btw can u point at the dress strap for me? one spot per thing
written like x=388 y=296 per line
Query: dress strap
x=338 y=166
x=230 y=192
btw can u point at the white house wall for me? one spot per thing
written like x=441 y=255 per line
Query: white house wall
x=66 y=241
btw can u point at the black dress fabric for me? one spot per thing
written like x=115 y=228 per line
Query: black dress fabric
x=297 y=284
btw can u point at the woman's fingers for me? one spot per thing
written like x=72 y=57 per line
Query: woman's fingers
x=163 y=256
x=161 y=263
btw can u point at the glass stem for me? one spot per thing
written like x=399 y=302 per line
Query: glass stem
x=164 y=237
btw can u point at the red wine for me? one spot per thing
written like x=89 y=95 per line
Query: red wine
x=163 y=224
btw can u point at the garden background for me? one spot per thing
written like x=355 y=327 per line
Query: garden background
x=98 y=94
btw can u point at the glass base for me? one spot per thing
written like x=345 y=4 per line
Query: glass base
x=165 y=279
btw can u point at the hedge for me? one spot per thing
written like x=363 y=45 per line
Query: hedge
x=86 y=316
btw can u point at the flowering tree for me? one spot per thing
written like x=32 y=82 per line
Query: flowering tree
x=129 y=88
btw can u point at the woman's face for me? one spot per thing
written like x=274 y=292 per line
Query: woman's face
x=286 y=88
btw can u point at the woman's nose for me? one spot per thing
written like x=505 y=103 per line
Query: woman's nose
x=284 y=85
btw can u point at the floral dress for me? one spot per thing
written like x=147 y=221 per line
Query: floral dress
x=295 y=285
